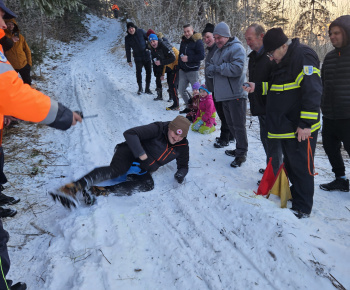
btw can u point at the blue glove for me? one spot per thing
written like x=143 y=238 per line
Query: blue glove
x=197 y=125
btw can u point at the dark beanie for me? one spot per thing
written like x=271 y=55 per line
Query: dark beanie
x=343 y=22
x=208 y=28
x=274 y=38
x=130 y=24
x=180 y=125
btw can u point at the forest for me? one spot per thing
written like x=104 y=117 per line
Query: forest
x=62 y=20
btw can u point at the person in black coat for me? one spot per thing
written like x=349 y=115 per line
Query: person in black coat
x=260 y=68
x=336 y=101
x=152 y=146
x=165 y=56
x=136 y=41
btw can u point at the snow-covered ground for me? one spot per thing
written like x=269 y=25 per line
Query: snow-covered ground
x=212 y=232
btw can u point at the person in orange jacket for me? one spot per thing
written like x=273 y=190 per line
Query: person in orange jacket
x=115 y=9
x=19 y=55
x=21 y=101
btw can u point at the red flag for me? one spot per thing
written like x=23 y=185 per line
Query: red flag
x=267 y=180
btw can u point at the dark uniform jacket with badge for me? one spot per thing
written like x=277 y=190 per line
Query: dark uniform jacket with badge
x=259 y=69
x=137 y=42
x=336 y=78
x=194 y=49
x=293 y=93
x=152 y=139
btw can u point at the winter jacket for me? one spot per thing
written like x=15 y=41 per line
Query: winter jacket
x=259 y=69
x=194 y=107
x=194 y=49
x=137 y=42
x=228 y=68
x=19 y=55
x=21 y=101
x=209 y=81
x=293 y=92
x=166 y=54
x=206 y=111
x=336 y=78
x=152 y=139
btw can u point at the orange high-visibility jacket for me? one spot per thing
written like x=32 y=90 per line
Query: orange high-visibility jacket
x=20 y=100
x=115 y=6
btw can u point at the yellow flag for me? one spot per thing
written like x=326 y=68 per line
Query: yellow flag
x=281 y=187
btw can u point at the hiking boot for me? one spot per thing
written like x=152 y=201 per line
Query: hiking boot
x=4 y=199
x=158 y=99
x=140 y=91
x=261 y=170
x=185 y=111
x=221 y=143
x=7 y=212
x=238 y=161
x=71 y=189
x=149 y=92
x=231 y=153
x=299 y=214
x=170 y=99
x=19 y=286
x=172 y=108
x=339 y=184
x=231 y=140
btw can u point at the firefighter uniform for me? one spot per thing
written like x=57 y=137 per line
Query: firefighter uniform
x=294 y=94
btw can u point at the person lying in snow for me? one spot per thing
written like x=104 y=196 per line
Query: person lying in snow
x=147 y=147
x=205 y=117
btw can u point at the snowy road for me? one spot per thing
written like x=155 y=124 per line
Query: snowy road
x=212 y=232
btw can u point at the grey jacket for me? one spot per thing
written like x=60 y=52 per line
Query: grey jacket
x=228 y=68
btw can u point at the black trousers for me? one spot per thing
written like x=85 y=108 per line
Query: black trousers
x=3 y=178
x=25 y=74
x=225 y=133
x=148 y=68
x=235 y=114
x=296 y=163
x=272 y=147
x=173 y=83
x=4 y=258
x=335 y=132
x=120 y=164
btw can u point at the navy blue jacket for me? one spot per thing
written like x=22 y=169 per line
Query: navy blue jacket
x=137 y=42
x=194 y=49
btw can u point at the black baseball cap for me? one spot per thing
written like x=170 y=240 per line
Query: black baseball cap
x=8 y=13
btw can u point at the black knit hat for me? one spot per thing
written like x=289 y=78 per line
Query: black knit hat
x=130 y=24
x=274 y=38
x=208 y=28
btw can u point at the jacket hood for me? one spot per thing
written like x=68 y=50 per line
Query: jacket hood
x=231 y=41
x=13 y=20
x=343 y=22
x=196 y=36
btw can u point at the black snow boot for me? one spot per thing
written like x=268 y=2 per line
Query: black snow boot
x=339 y=184
x=140 y=91
x=147 y=90
x=7 y=212
x=238 y=161
x=4 y=199
x=19 y=286
x=159 y=95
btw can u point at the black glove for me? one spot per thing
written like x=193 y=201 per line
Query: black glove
x=179 y=176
